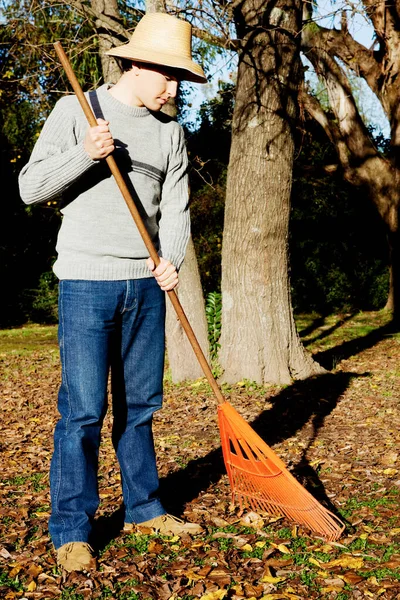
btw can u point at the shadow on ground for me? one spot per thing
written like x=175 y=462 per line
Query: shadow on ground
x=308 y=401
x=304 y=402
x=330 y=358
x=319 y=322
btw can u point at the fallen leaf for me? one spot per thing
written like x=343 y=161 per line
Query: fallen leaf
x=335 y=582
x=246 y=548
x=174 y=539
x=16 y=568
x=252 y=519
x=280 y=596
x=271 y=579
x=218 y=595
x=352 y=578
x=5 y=553
x=390 y=472
x=346 y=561
x=34 y=570
x=31 y=586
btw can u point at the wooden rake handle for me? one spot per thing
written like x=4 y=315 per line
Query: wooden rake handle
x=139 y=222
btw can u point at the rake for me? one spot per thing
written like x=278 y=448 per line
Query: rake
x=258 y=478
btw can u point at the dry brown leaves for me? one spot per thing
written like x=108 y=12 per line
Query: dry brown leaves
x=339 y=434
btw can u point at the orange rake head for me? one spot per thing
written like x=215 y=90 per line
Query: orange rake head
x=259 y=478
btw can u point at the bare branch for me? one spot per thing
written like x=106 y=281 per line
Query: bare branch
x=226 y=43
x=342 y=44
x=343 y=22
x=315 y=110
x=112 y=25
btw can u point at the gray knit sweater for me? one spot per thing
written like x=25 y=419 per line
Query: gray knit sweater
x=98 y=238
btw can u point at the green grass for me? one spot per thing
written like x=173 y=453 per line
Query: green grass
x=308 y=578
x=69 y=594
x=13 y=583
x=354 y=504
x=36 y=481
x=29 y=338
x=383 y=573
x=140 y=543
x=334 y=330
x=328 y=332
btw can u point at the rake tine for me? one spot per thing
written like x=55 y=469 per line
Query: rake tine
x=274 y=489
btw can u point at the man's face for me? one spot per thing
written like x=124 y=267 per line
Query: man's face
x=154 y=85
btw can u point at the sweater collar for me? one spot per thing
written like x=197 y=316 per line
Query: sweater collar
x=114 y=104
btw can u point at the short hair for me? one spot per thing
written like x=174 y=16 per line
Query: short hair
x=125 y=64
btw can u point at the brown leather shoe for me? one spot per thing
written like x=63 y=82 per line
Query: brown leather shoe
x=167 y=525
x=76 y=556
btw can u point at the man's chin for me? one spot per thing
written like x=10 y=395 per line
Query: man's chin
x=154 y=106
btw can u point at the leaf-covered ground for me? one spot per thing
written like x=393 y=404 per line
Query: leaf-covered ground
x=338 y=433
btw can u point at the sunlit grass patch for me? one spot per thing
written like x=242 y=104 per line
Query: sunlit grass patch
x=325 y=332
x=28 y=338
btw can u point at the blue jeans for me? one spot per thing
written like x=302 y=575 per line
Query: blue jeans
x=103 y=324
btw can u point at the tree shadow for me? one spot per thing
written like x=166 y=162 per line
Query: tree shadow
x=317 y=322
x=308 y=401
x=323 y=334
x=304 y=402
x=330 y=358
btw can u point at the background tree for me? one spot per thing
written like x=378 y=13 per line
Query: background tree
x=259 y=339
x=364 y=165
x=337 y=246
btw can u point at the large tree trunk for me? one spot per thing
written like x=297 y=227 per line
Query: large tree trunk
x=109 y=8
x=259 y=339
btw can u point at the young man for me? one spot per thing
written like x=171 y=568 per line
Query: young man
x=111 y=296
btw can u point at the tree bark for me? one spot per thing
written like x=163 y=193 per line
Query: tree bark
x=182 y=361
x=109 y=8
x=259 y=340
x=181 y=358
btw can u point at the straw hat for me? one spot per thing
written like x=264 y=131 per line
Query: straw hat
x=163 y=40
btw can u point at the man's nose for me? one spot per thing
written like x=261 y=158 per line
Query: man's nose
x=172 y=88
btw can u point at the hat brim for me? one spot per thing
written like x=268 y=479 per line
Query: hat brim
x=187 y=69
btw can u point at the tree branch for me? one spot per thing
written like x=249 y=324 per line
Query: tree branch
x=112 y=25
x=220 y=42
x=315 y=110
x=342 y=44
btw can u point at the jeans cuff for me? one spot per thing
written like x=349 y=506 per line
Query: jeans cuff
x=70 y=536
x=144 y=513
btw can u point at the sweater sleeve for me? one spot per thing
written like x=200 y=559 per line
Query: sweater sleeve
x=174 y=224
x=58 y=158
